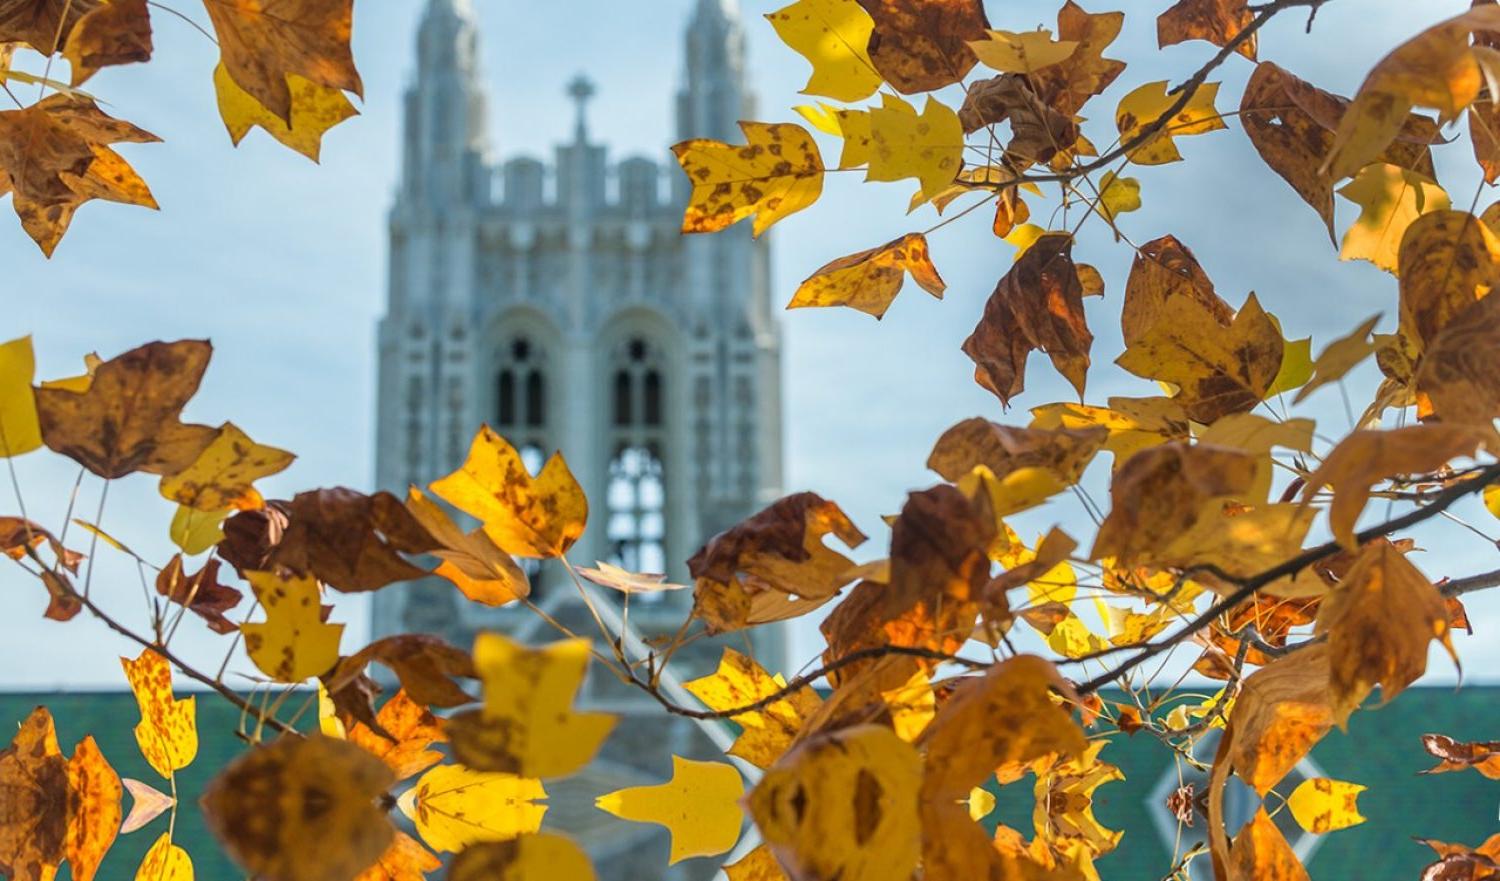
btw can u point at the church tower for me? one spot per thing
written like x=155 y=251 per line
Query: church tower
x=559 y=303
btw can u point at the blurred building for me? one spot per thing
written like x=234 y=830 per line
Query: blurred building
x=559 y=303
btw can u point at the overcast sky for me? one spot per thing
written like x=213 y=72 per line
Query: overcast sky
x=282 y=264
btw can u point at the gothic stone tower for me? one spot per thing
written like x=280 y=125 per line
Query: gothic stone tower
x=561 y=305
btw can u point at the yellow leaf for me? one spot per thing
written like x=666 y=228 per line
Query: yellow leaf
x=471 y=560
x=1258 y=435
x=700 y=806
x=1072 y=638
x=776 y=174
x=526 y=516
x=768 y=732
x=851 y=125
x=527 y=725
x=1296 y=367
x=315 y=110
x=757 y=865
x=1023 y=237
x=911 y=705
x=223 y=475
x=530 y=858
x=1147 y=103
x=1492 y=499
x=870 y=280
x=1024 y=52
x=1339 y=357
x=168 y=730
x=293 y=644
x=1118 y=195
x=196 y=531
x=1320 y=805
x=832 y=36
x=1134 y=423
x=455 y=807
x=20 y=431
x=981 y=803
x=1390 y=198
x=928 y=147
x=165 y=861
x=81 y=383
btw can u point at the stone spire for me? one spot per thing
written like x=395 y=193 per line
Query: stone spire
x=446 y=144
x=713 y=96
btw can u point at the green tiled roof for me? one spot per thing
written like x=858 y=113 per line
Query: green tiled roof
x=1381 y=751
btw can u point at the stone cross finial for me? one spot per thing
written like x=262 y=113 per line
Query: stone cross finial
x=581 y=89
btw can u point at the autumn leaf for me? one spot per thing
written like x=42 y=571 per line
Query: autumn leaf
x=223 y=475
x=1133 y=423
x=146 y=804
x=1038 y=133
x=202 y=593
x=455 y=807
x=1067 y=87
x=627 y=582
x=350 y=541
x=527 y=725
x=196 y=531
x=1025 y=52
x=870 y=280
x=757 y=865
x=425 y=665
x=1454 y=755
x=301 y=809
x=1448 y=260
x=543 y=855
x=904 y=144
x=919 y=47
x=1390 y=199
x=165 y=861
x=1320 y=805
x=1364 y=458
x=833 y=35
x=315 y=109
x=1380 y=621
x=1143 y=107
x=766 y=733
x=776 y=174
x=263 y=44
x=293 y=644
x=1160 y=492
x=44 y=25
x=113 y=33
x=1038 y=304
x=128 y=419
x=1339 y=357
x=1458 y=377
x=404 y=860
x=1118 y=195
x=1217 y=21
x=851 y=125
x=528 y=516
x=471 y=560
x=1282 y=711
x=20 y=432
x=1064 y=814
x=55 y=155
x=411 y=728
x=1261 y=853
x=168 y=730
x=699 y=806
x=1025 y=466
x=843 y=805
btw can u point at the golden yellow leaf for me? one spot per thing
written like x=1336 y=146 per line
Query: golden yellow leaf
x=700 y=806
x=223 y=475
x=1380 y=621
x=1320 y=805
x=1364 y=458
x=1390 y=198
x=853 y=126
x=832 y=36
x=1024 y=52
x=912 y=704
x=314 y=110
x=1064 y=814
x=527 y=725
x=165 y=861
x=767 y=733
x=870 y=280
x=928 y=147
x=529 y=858
x=471 y=560
x=843 y=805
x=265 y=45
x=776 y=174
x=528 y=516
x=293 y=644
x=1282 y=711
x=1147 y=103
x=1133 y=423
x=1339 y=357
x=1296 y=366
x=981 y=803
x=1257 y=435
x=20 y=432
x=1260 y=853
x=196 y=531
x=1118 y=195
x=1072 y=638
x=1023 y=237
x=455 y=807
x=168 y=730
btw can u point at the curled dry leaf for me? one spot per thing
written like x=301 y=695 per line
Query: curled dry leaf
x=129 y=418
x=833 y=35
x=777 y=173
x=1038 y=304
x=301 y=809
x=350 y=541
x=471 y=560
x=870 y=280
x=923 y=46
x=1038 y=133
x=773 y=565
x=201 y=593
x=1028 y=465
x=699 y=806
x=627 y=582
x=1448 y=260
x=1454 y=755
x=1067 y=87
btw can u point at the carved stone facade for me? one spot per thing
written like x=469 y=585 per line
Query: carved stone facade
x=561 y=305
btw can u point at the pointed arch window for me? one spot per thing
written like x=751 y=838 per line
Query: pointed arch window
x=636 y=499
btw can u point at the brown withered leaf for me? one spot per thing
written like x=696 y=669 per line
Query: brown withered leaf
x=1038 y=304
x=870 y=280
x=1447 y=261
x=301 y=809
x=1484 y=116
x=1380 y=622
x=1454 y=755
x=1217 y=21
x=262 y=42
x=1067 y=87
x=128 y=419
x=471 y=560
x=201 y=593
x=1160 y=492
x=55 y=155
x=1458 y=377
x=750 y=573
x=1005 y=450
x=1458 y=862
x=44 y=25
x=251 y=537
x=405 y=860
x=118 y=32
x=1260 y=852
x=1365 y=458
x=1133 y=423
x=1165 y=271
x=350 y=541
x=18 y=534
x=921 y=45
x=426 y=666
x=1291 y=123
x=1282 y=711
x=1038 y=132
